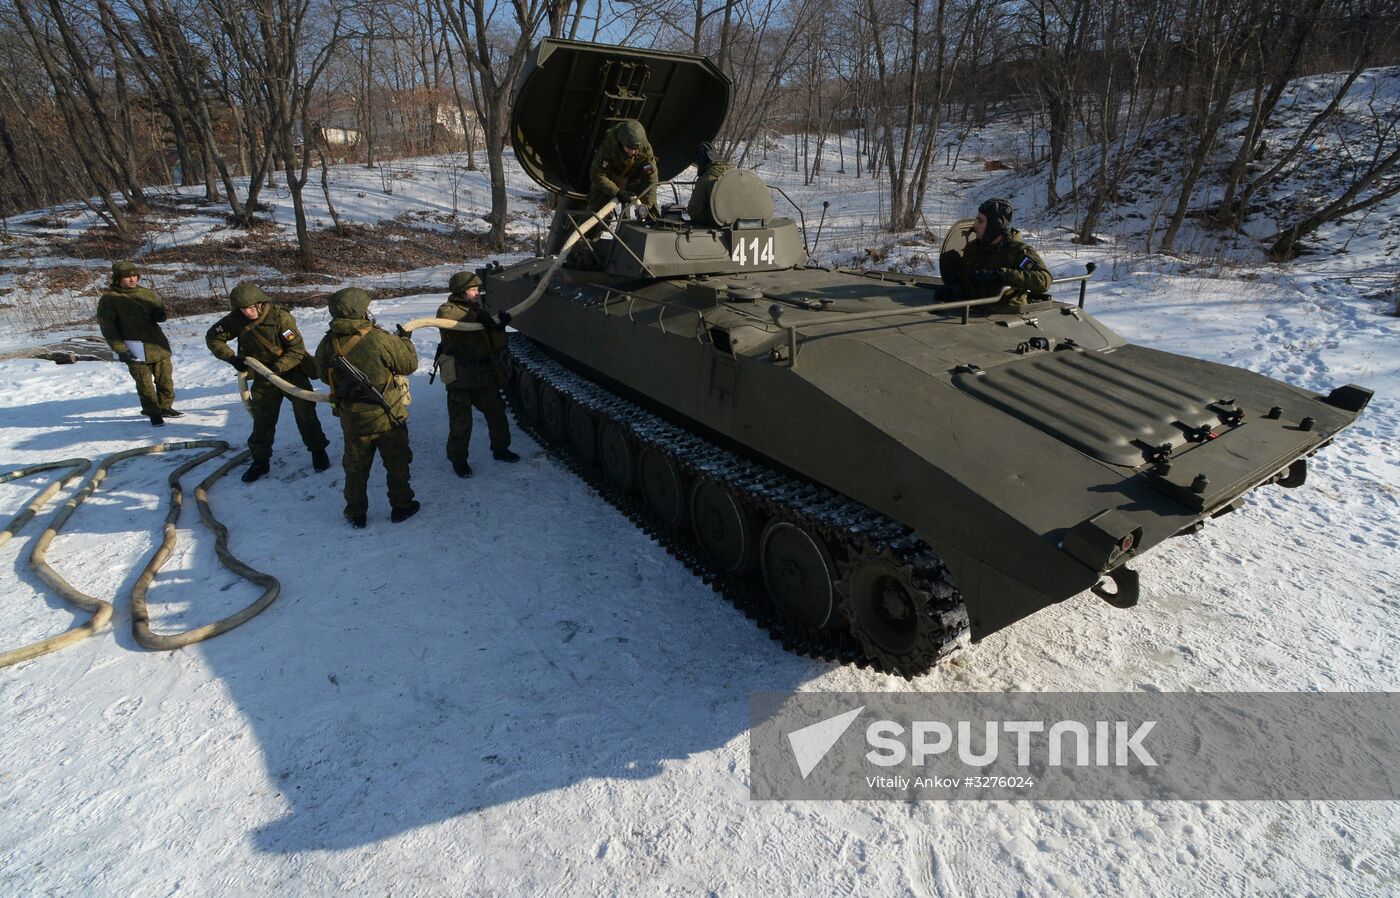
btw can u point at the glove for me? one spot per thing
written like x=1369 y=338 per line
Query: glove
x=126 y=356
x=503 y=318
x=625 y=196
x=238 y=364
x=158 y=315
x=986 y=283
x=398 y=329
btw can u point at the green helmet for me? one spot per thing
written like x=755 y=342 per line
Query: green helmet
x=463 y=281
x=631 y=134
x=123 y=269
x=352 y=302
x=244 y=295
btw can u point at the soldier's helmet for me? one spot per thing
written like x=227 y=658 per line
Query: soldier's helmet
x=998 y=212
x=704 y=157
x=352 y=302
x=463 y=281
x=244 y=295
x=631 y=134
x=123 y=269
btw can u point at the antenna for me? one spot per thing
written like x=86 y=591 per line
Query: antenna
x=826 y=204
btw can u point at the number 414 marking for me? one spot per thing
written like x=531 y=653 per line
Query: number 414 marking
x=754 y=255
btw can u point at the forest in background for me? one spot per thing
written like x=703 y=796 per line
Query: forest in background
x=100 y=100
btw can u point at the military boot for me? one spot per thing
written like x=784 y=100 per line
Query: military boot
x=257 y=469
x=462 y=469
x=320 y=461
x=399 y=515
x=357 y=521
x=504 y=455
x=157 y=420
x=171 y=413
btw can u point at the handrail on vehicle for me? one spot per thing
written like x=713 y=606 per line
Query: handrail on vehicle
x=664 y=304
x=965 y=305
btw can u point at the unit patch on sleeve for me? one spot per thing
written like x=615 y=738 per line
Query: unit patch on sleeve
x=289 y=335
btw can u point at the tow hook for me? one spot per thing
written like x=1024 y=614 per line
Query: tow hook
x=1126 y=587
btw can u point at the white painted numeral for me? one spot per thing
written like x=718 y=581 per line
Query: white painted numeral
x=762 y=255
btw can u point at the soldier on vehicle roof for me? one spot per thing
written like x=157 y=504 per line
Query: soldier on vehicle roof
x=469 y=362
x=997 y=258
x=376 y=422
x=130 y=317
x=624 y=168
x=267 y=332
x=708 y=171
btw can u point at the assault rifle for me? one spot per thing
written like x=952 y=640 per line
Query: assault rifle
x=437 y=357
x=353 y=385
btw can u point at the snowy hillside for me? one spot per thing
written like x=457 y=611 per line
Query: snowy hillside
x=517 y=693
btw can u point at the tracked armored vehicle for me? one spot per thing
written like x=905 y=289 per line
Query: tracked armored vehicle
x=874 y=475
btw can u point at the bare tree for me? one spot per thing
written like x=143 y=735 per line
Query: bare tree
x=1372 y=165
x=495 y=62
x=1216 y=41
x=1117 y=113
x=918 y=46
x=273 y=42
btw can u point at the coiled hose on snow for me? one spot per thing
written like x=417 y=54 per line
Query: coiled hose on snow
x=102 y=610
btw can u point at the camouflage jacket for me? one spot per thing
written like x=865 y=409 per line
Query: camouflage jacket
x=129 y=314
x=272 y=338
x=699 y=206
x=386 y=360
x=613 y=172
x=1015 y=262
x=475 y=354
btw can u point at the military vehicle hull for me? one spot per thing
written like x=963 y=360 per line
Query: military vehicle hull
x=873 y=472
x=1023 y=447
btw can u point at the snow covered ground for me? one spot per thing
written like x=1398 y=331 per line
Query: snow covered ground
x=516 y=692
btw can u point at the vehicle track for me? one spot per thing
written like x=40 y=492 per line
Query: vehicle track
x=855 y=537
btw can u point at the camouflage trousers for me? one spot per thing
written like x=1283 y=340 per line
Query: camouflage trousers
x=266 y=406
x=396 y=454
x=460 y=401
x=155 y=384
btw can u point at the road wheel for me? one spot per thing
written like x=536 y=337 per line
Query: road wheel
x=619 y=455
x=529 y=397
x=583 y=433
x=552 y=422
x=663 y=488
x=723 y=526
x=799 y=574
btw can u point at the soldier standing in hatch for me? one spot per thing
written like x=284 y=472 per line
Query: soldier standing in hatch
x=708 y=171
x=130 y=317
x=997 y=258
x=385 y=359
x=267 y=332
x=471 y=370
x=624 y=168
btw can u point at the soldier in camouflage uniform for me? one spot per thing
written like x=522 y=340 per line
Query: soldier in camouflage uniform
x=709 y=170
x=386 y=360
x=130 y=317
x=267 y=332
x=471 y=370
x=997 y=258
x=624 y=168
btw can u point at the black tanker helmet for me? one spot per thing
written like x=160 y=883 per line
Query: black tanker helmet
x=998 y=212
x=704 y=157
